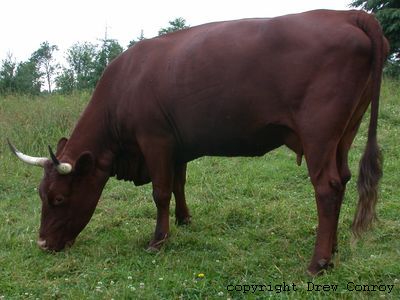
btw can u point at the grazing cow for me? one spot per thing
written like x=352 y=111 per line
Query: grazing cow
x=237 y=88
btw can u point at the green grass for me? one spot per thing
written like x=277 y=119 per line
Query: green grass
x=254 y=222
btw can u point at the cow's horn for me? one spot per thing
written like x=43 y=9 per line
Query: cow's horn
x=62 y=168
x=35 y=161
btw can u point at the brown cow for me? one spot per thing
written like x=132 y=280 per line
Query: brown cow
x=238 y=88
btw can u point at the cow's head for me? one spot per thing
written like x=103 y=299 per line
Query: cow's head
x=69 y=193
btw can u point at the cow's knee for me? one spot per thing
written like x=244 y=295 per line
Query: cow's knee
x=161 y=197
x=328 y=194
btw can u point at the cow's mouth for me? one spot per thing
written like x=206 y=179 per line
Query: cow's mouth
x=44 y=245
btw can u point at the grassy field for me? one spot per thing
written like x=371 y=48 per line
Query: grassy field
x=253 y=223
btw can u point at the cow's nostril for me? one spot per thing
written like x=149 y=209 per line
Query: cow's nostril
x=42 y=244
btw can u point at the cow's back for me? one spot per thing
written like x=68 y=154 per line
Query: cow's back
x=224 y=87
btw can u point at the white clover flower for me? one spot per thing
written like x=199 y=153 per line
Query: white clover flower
x=132 y=288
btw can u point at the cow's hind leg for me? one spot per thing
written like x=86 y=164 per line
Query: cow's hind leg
x=182 y=214
x=329 y=189
x=327 y=161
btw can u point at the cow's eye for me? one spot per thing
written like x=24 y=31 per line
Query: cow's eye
x=58 y=200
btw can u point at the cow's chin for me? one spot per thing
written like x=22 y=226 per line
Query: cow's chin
x=48 y=245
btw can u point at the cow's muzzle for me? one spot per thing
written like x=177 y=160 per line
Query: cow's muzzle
x=46 y=247
x=42 y=244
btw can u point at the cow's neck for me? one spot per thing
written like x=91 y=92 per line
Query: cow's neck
x=92 y=133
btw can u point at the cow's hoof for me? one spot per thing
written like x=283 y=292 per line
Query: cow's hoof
x=319 y=268
x=183 y=221
x=155 y=245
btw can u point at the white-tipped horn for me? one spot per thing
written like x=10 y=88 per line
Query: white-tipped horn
x=35 y=161
x=62 y=168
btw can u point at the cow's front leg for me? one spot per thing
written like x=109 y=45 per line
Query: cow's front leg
x=162 y=197
x=158 y=154
x=181 y=210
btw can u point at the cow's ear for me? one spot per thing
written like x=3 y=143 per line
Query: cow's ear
x=60 y=145
x=85 y=163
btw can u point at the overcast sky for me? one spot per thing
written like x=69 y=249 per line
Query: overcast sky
x=24 y=24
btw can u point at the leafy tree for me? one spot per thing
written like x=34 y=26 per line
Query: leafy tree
x=23 y=77
x=86 y=63
x=79 y=74
x=388 y=14
x=66 y=82
x=7 y=75
x=44 y=57
x=138 y=39
x=109 y=50
x=174 y=25
x=27 y=77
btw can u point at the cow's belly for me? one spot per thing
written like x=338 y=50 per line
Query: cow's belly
x=241 y=144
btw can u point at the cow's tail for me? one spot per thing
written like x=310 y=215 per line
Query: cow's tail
x=370 y=170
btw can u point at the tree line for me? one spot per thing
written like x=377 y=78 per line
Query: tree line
x=85 y=63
